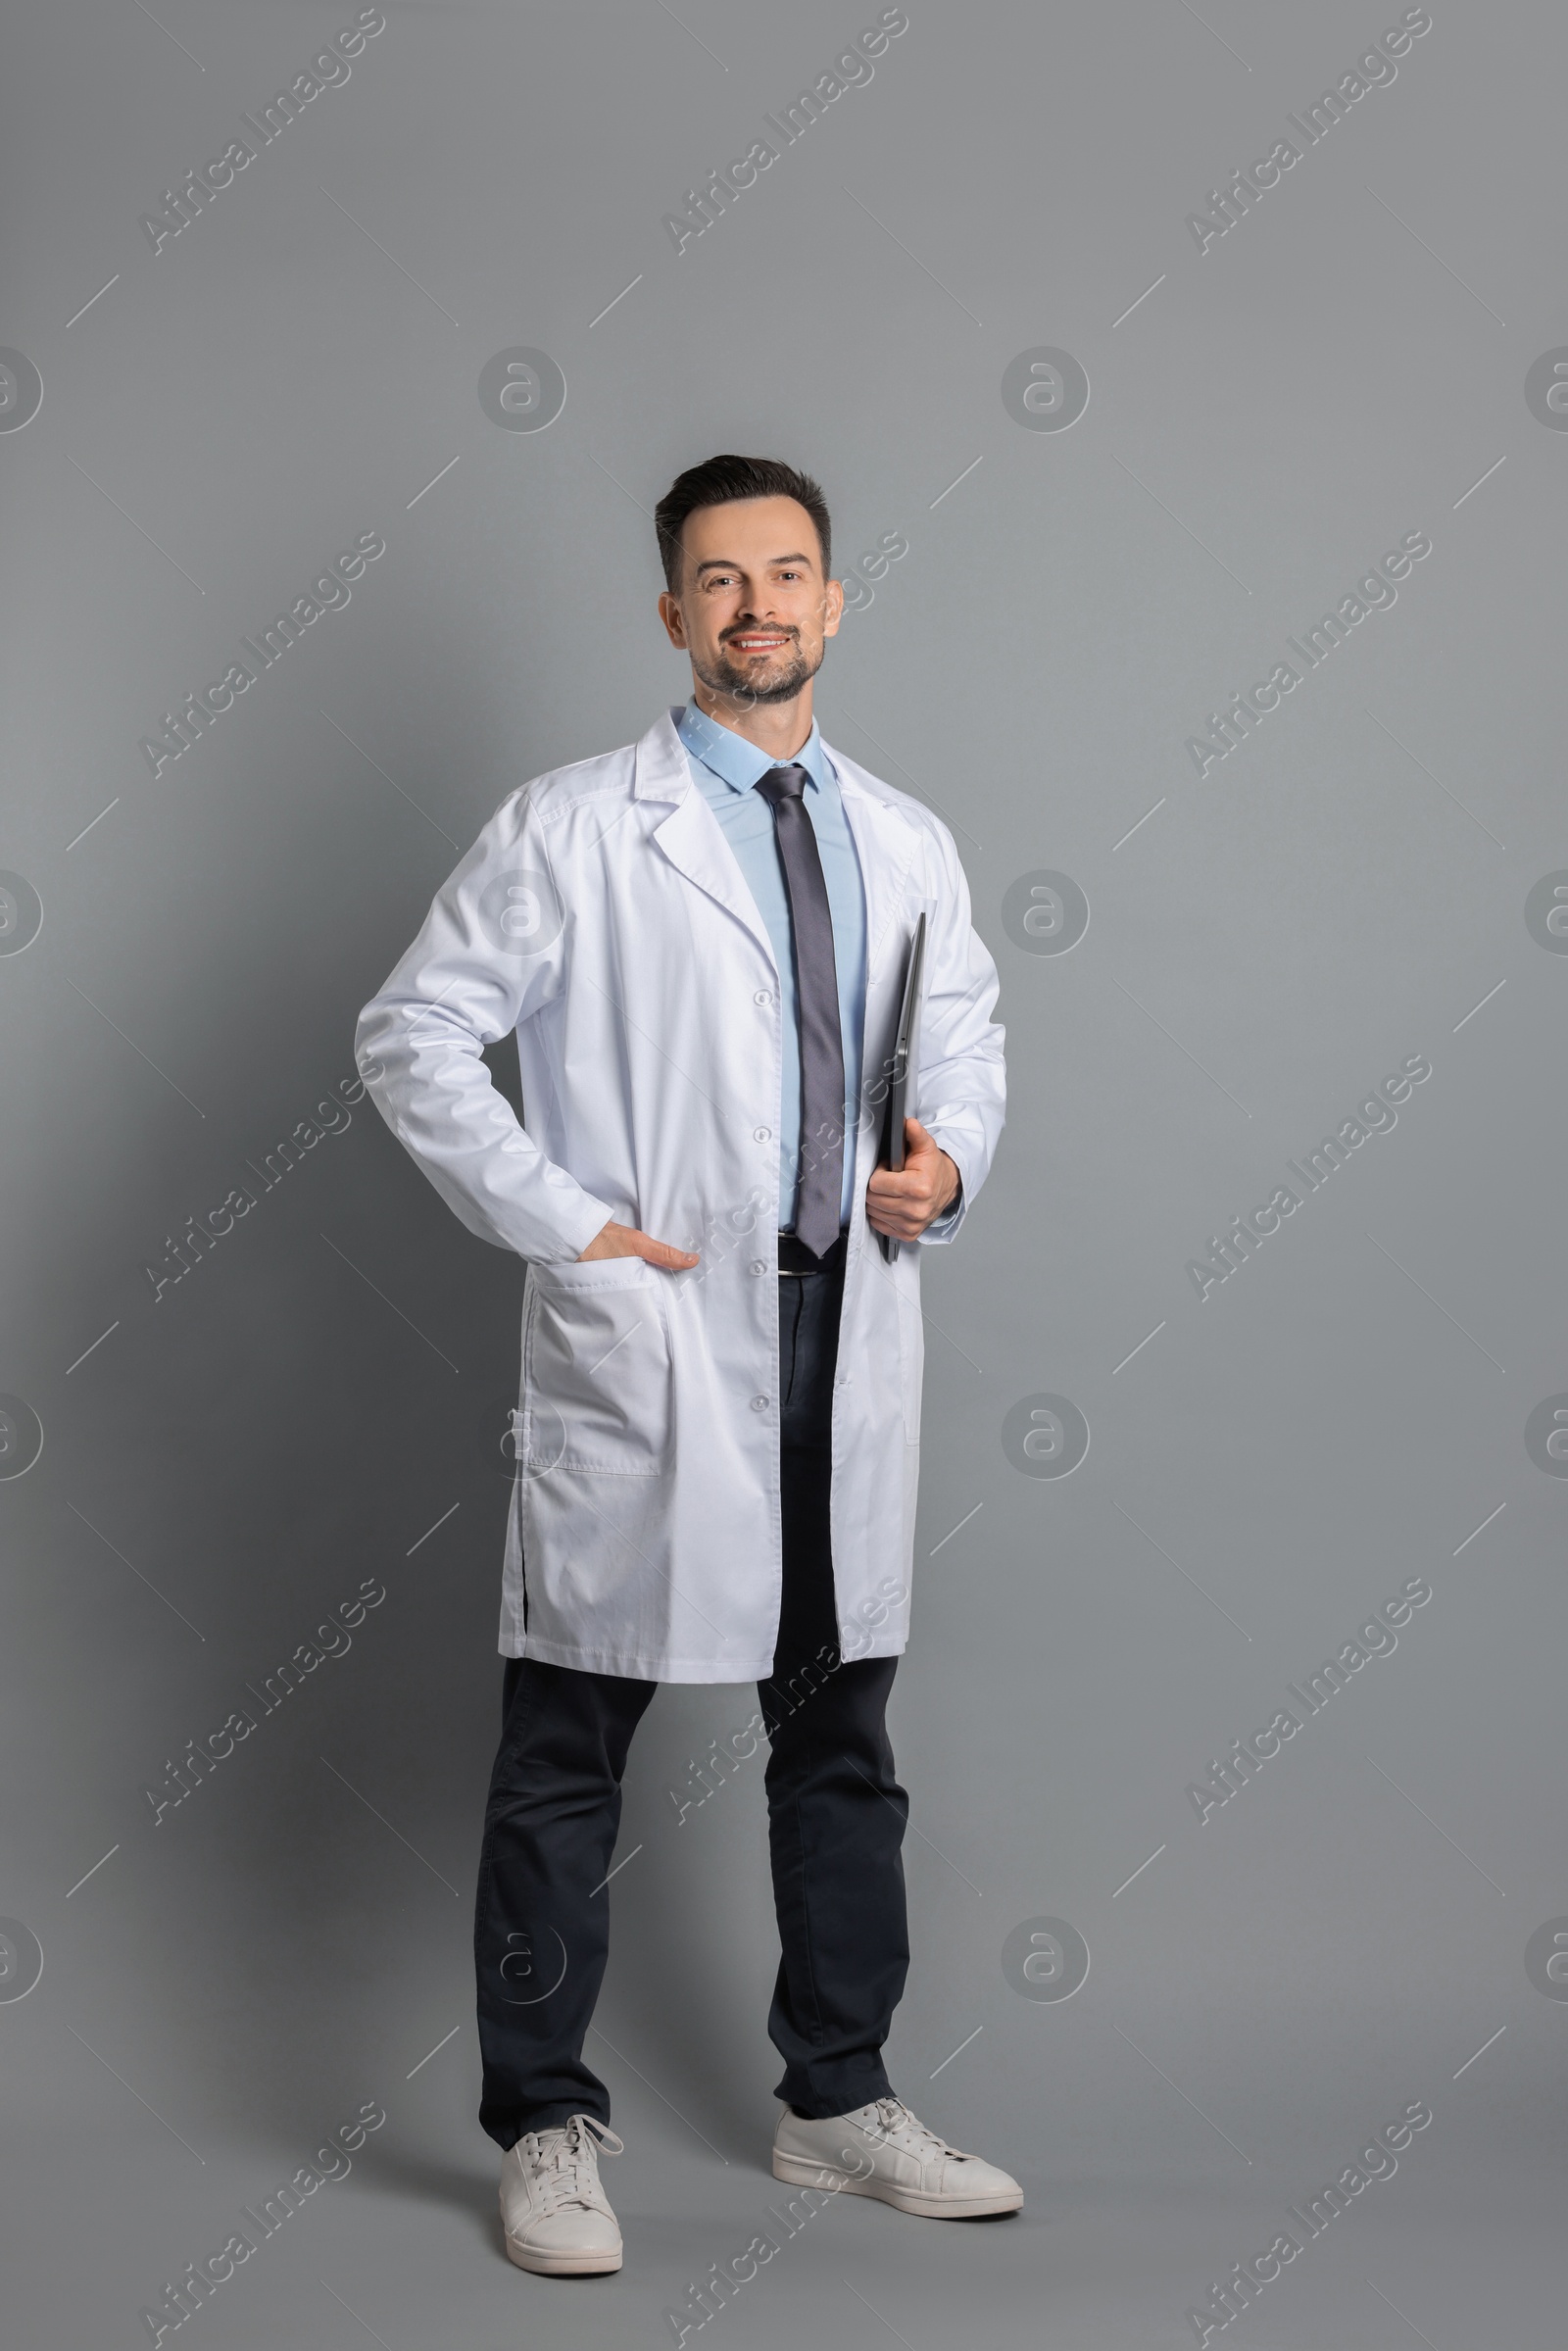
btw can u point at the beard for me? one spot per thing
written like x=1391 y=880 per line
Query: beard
x=779 y=679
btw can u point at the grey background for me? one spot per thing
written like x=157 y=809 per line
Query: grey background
x=302 y=1409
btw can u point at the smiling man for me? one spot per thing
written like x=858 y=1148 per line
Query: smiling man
x=700 y=942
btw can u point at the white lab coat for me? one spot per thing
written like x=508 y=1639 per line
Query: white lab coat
x=602 y=916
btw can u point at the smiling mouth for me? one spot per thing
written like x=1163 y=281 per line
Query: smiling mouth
x=753 y=642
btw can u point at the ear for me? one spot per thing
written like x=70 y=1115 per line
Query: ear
x=670 y=613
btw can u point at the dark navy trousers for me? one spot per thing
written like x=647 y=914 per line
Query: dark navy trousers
x=836 y=1816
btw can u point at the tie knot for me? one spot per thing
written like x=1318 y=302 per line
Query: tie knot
x=783 y=783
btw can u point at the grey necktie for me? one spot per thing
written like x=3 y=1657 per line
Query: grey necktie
x=816 y=992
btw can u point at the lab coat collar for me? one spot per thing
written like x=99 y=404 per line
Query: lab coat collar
x=886 y=838
x=691 y=836
x=661 y=772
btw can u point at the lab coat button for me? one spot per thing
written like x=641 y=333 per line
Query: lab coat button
x=758 y=1265
x=762 y=1134
x=764 y=996
x=758 y=1404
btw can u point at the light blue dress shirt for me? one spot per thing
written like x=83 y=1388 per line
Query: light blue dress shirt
x=725 y=769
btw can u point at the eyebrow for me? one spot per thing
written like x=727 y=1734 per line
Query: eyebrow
x=728 y=562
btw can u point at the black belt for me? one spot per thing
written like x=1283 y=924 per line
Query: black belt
x=795 y=1257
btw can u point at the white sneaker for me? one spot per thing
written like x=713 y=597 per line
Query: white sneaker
x=557 y=2216
x=894 y=2158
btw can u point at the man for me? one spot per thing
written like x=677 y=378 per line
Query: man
x=701 y=941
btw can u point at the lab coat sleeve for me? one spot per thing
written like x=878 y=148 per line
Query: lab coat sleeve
x=962 y=1080
x=494 y=950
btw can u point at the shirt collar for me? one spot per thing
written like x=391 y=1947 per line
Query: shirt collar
x=734 y=761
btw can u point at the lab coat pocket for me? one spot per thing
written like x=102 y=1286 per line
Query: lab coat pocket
x=596 y=1369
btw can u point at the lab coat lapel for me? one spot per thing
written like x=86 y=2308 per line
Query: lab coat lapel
x=886 y=843
x=691 y=836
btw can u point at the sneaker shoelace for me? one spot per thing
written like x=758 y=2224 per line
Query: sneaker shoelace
x=565 y=2161
x=902 y=2129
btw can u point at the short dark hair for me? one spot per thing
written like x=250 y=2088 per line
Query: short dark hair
x=719 y=481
